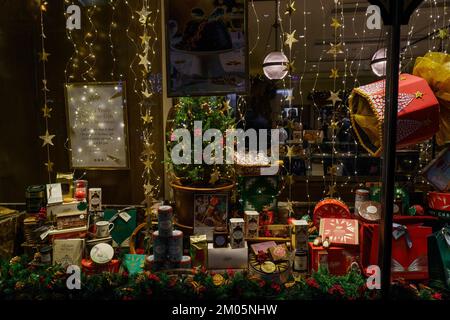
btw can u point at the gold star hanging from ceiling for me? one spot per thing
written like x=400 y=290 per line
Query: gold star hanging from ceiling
x=290 y=207
x=47 y=138
x=290 y=8
x=335 y=49
x=147 y=119
x=334 y=73
x=143 y=14
x=144 y=39
x=334 y=97
x=43 y=56
x=146 y=94
x=332 y=190
x=147 y=164
x=148 y=188
x=46 y=111
x=49 y=166
x=290 y=67
x=332 y=170
x=44 y=82
x=149 y=150
x=43 y=6
x=419 y=95
x=144 y=61
x=334 y=124
x=335 y=23
x=290 y=152
x=215 y=176
x=290 y=39
x=443 y=34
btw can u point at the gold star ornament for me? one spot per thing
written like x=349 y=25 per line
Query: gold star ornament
x=43 y=56
x=147 y=119
x=332 y=190
x=143 y=14
x=334 y=97
x=335 y=23
x=334 y=73
x=46 y=111
x=443 y=34
x=47 y=138
x=148 y=188
x=49 y=166
x=290 y=67
x=290 y=8
x=419 y=95
x=290 y=39
x=215 y=176
x=335 y=49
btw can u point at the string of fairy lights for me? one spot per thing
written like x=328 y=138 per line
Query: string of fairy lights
x=47 y=138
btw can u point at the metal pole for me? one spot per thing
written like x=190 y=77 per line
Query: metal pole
x=389 y=144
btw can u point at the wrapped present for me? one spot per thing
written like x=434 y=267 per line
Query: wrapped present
x=10 y=222
x=340 y=231
x=435 y=69
x=337 y=260
x=88 y=267
x=418 y=113
x=409 y=251
x=124 y=225
x=437 y=172
x=199 y=250
x=134 y=263
x=439 y=256
x=330 y=208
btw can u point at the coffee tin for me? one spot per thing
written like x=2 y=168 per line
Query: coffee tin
x=361 y=195
x=301 y=261
x=251 y=224
x=160 y=247
x=237 y=233
x=165 y=221
x=175 y=248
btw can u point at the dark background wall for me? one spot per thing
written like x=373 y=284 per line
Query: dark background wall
x=21 y=123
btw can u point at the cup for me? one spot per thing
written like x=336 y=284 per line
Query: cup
x=103 y=228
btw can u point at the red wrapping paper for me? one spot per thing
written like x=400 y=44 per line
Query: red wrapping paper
x=339 y=258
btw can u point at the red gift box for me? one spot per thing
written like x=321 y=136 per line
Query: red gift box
x=409 y=251
x=90 y=268
x=340 y=231
x=339 y=259
x=417 y=119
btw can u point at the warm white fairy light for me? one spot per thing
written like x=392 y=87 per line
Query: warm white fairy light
x=258 y=36
x=113 y=25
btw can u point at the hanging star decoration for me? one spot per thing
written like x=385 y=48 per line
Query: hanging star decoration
x=419 y=95
x=146 y=94
x=148 y=188
x=44 y=82
x=290 y=8
x=335 y=23
x=46 y=111
x=215 y=176
x=49 y=166
x=144 y=39
x=225 y=106
x=147 y=164
x=290 y=39
x=334 y=73
x=334 y=124
x=143 y=15
x=146 y=119
x=333 y=170
x=334 y=97
x=149 y=150
x=43 y=56
x=290 y=207
x=143 y=61
x=335 y=49
x=443 y=34
x=47 y=139
x=332 y=190
x=290 y=67
x=290 y=152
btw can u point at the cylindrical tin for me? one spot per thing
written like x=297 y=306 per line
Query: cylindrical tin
x=35 y=198
x=300 y=235
x=301 y=261
x=361 y=195
x=370 y=211
x=160 y=247
x=330 y=208
x=237 y=233
x=175 y=246
x=251 y=224
x=185 y=263
x=220 y=237
x=165 y=224
x=46 y=254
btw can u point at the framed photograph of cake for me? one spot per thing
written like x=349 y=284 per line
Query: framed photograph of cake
x=207 y=47
x=97 y=125
x=210 y=211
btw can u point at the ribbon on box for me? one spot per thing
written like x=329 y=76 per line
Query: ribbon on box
x=400 y=231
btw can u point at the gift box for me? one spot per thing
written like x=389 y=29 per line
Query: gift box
x=122 y=228
x=417 y=119
x=340 y=231
x=227 y=258
x=88 y=267
x=439 y=256
x=134 y=263
x=199 y=250
x=409 y=251
x=9 y=231
x=338 y=259
x=435 y=69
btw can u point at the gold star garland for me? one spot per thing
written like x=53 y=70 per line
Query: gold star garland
x=46 y=110
x=151 y=180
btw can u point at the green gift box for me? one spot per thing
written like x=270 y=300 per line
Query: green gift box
x=122 y=229
x=134 y=263
x=439 y=255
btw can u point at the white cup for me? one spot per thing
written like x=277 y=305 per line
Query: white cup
x=103 y=228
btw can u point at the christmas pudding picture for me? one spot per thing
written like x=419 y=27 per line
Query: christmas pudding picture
x=207 y=47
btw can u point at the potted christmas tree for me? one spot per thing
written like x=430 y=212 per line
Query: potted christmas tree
x=194 y=116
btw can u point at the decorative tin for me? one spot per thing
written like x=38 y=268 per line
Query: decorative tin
x=370 y=211
x=35 y=198
x=237 y=233
x=95 y=199
x=66 y=180
x=300 y=234
x=361 y=195
x=300 y=261
x=46 y=254
x=269 y=272
x=175 y=246
x=81 y=188
x=220 y=237
x=72 y=219
x=165 y=224
x=160 y=247
x=279 y=253
x=102 y=253
x=185 y=263
x=330 y=208
x=251 y=224
x=439 y=201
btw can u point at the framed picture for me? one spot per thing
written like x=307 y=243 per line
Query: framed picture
x=210 y=211
x=207 y=47
x=97 y=125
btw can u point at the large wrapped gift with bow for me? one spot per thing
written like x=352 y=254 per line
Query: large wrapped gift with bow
x=417 y=119
x=409 y=251
x=439 y=255
x=434 y=67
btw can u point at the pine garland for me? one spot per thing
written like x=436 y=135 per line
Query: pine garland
x=19 y=280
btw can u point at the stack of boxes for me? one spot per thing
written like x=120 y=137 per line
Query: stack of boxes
x=167 y=244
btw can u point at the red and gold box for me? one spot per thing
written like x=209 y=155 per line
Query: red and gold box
x=339 y=259
x=418 y=113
